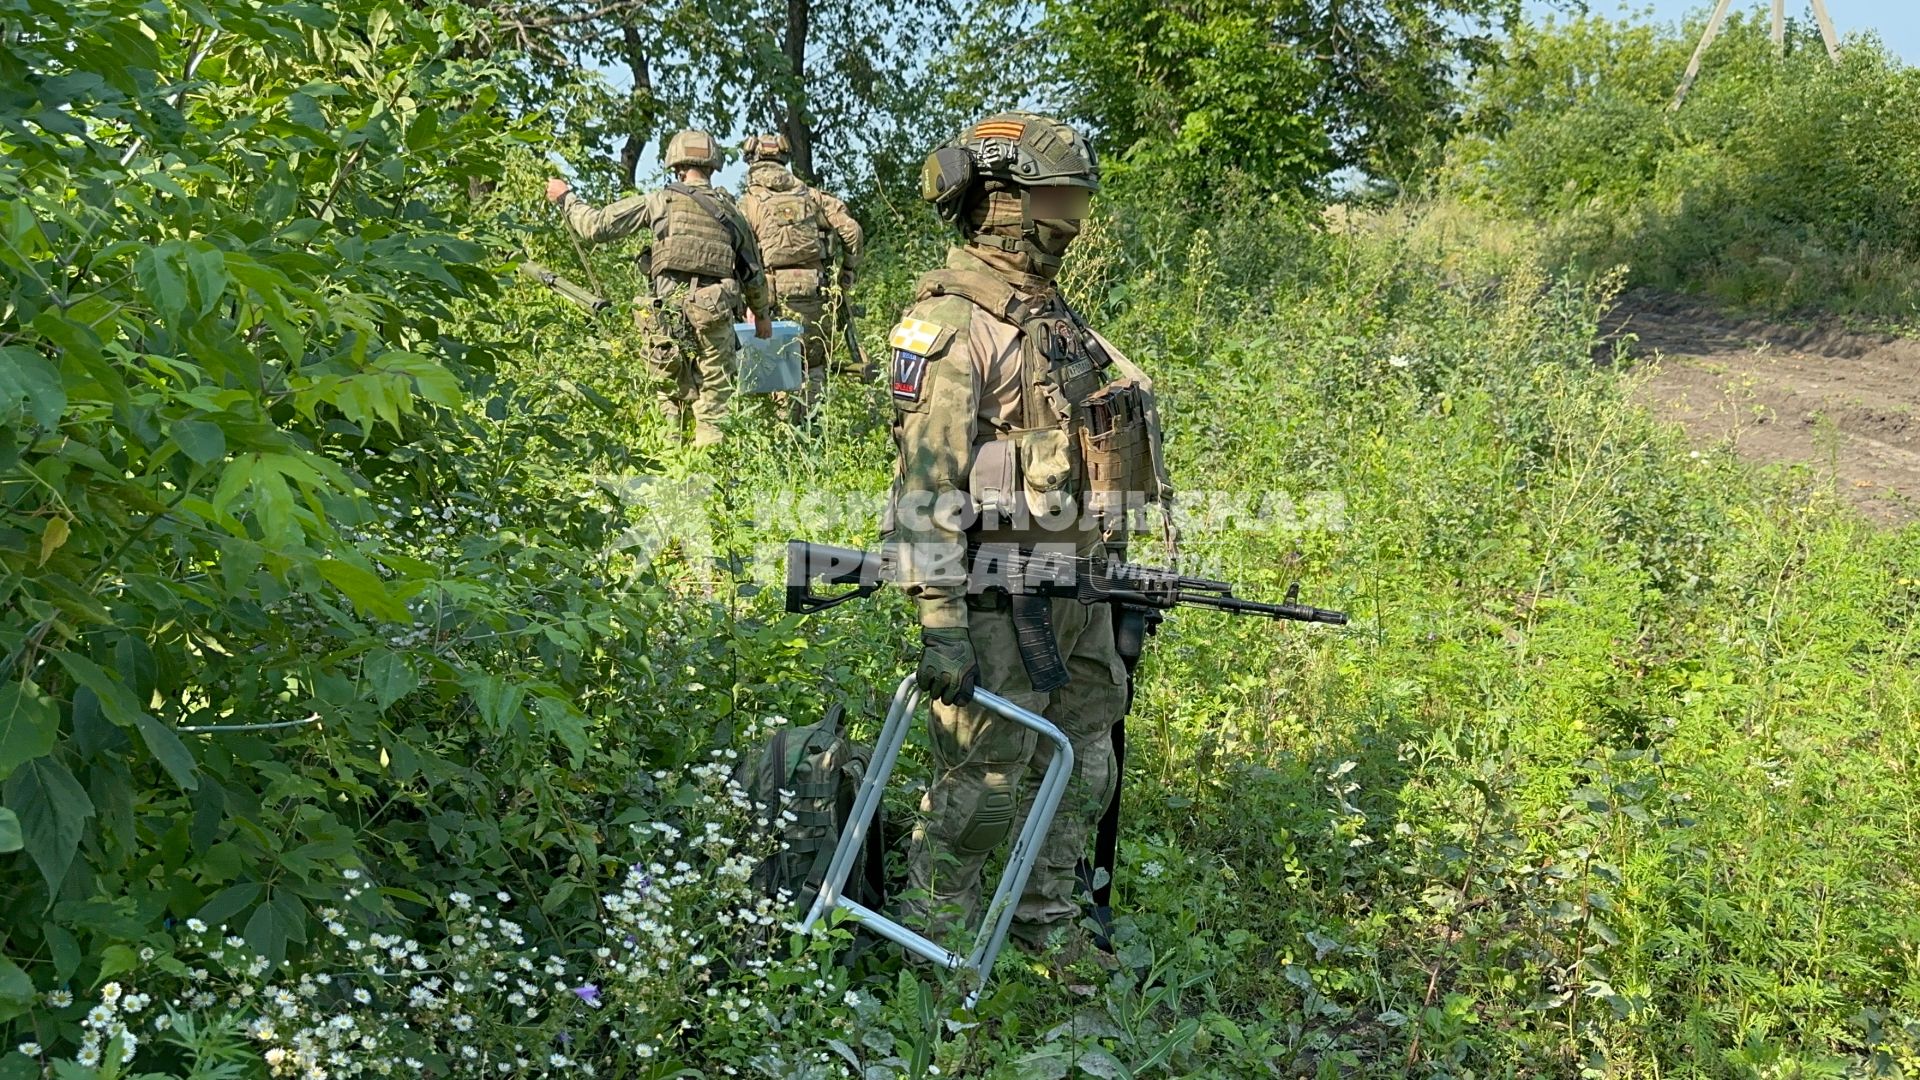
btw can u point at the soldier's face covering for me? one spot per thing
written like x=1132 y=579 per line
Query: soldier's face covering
x=1056 y=213
x=1052 y=235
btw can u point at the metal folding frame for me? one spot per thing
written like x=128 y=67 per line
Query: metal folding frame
x=1020 y=859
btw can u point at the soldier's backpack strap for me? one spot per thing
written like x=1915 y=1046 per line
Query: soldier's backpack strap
x=710 y=204
x=1041 y=404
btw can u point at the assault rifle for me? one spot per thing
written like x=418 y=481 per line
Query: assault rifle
x=1141 y=595
x=856 y=356
x=581 y=296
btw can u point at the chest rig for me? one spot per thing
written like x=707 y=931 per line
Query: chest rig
x=692 y=236
x=1048 y=473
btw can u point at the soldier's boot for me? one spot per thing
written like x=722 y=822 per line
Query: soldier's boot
x=804 y=404
x=1069 y=957
x=675 y=416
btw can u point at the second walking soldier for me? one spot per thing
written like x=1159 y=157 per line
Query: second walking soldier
x=798 y=228
x=702 y=268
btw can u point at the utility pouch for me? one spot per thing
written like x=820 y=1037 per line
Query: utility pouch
x=1046 y=471
x=803 y=284
x=994 y=482
x=1117 y=446
x=1033 y=634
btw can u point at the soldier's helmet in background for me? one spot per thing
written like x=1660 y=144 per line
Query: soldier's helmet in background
x=774 y=147
x=693 y=149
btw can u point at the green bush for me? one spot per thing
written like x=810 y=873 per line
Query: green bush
x=1783 y=182
x=1610 y=776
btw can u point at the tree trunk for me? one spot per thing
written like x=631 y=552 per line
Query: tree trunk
x=642 y=100
x=799 y=133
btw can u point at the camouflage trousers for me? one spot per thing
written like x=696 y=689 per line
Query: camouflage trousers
x=691 y=352
x=800 y=299
x=987 y=767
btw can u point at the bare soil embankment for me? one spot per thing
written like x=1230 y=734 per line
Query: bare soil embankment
x=1846 y=404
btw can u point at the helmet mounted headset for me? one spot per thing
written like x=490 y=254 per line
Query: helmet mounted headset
x=1052 y=168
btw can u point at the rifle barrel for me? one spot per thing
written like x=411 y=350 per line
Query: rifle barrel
x=1291 y=612
x=1009 y=567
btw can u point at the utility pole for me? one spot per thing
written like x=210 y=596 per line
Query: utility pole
x=1826 y=29
x=1719 y=18
x=1714 y=22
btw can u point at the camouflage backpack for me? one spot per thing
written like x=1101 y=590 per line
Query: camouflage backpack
x=792 y=231
x=822 y=769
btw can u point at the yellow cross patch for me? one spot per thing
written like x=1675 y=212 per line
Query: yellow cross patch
x=916 y=336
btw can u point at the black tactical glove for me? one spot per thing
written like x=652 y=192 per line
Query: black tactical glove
x=948 y=670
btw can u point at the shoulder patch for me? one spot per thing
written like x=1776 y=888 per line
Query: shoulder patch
x=919 y=337
x=909 y=375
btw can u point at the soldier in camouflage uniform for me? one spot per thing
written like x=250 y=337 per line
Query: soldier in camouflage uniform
x=994 y=380
x=803 y=233
x=703 y=267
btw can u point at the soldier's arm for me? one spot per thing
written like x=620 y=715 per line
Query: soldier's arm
x=936 y=395
x=851 y=234
x=753 y=274
x=598 y=225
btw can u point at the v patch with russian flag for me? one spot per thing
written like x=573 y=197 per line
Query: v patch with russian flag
x=909 y=375
x=913 y=341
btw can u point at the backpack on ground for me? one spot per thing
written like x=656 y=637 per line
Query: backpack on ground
x=822 y=769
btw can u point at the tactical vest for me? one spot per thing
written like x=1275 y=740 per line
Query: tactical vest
x=1085 y=451
x=688 y=239
x=791 y=229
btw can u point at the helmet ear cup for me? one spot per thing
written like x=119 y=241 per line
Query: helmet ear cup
x=945 y=178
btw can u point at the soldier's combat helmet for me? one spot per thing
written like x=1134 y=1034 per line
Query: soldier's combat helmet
x=1018 y=150
x=693 y=149
x=773 y=147
x=1016 y=181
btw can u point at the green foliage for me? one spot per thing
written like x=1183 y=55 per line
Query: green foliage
x=1783 y=182
x=1282 y=91
x=345 y=586
x=849 y=82
x=229 y=271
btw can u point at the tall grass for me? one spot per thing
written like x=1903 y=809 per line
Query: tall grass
x=1613 y=775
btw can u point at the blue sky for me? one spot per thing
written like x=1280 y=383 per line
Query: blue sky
x=1896 y=21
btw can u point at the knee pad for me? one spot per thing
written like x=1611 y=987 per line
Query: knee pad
x=987 y=815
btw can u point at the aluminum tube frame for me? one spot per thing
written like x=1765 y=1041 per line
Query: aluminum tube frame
x=1013 y=881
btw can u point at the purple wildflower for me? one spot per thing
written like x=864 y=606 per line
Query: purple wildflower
x=588 y=993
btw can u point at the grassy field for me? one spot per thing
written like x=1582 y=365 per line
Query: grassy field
x=1612 y=775
x=377 y=661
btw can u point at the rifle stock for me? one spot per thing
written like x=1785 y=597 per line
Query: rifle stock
x=808 y=563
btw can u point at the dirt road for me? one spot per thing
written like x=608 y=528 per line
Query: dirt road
x=1846 y=404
